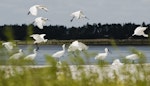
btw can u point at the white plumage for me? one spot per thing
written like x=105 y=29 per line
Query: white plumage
x=76 y=45
x=31 y=56
x=40 y=22
x=78 y=15
x=8 y=45
x=39 y=38
x=17 y=55
x=102 y=56
x=117 y=63
x=59 y=54
x=132 y=57
x=139 y=31
x=34 y=9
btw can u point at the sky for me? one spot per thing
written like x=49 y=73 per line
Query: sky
x=59 y=11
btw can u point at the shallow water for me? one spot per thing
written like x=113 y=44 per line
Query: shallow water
x=117 y=52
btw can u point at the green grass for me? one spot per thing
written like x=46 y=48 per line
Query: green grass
x=20 y=73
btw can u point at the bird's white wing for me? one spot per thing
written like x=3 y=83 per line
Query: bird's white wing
x=39 y=24
x=139 y=30
x=16 y=56
x=42 y=36
x=76 y=14
x=74 y=46
x=36 y=36
x=8 y=45
x=83 y=46
x=33 y=10
x=81 y=14
x=58 y=54
x=132 y=56
x=30 y=57
x=100 y=56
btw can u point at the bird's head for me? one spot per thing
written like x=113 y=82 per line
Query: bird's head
x=107 y=50
x=20 y=50
x=44 y=19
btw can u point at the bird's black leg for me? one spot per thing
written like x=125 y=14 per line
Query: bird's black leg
x=28 y=13
x=72 y=19
x=37 y=47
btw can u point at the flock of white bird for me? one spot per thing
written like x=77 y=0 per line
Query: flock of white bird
x=75 y=45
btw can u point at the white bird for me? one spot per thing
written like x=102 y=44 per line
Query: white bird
x=34 y=9
x=132 y=57
x=59 y=54
x=76 y=45
x=117 y=63
x=17 y=55
x=102 y=56
x=31 y=56
x=139 y=31
x=40 y=22
x=9 y=46
x=39 y=38
x=78 y=15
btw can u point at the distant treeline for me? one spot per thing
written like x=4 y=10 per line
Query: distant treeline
x=88 y=31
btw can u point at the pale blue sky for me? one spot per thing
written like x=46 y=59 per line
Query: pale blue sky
x=98 y=11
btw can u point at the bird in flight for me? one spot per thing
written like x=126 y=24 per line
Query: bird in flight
x=76 y=45
x=139 y=31
x=40 y=21
x=9 y=46
x=34 y=9
x=39 y=38
x=78 y=15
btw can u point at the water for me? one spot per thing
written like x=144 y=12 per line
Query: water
x=117 y=52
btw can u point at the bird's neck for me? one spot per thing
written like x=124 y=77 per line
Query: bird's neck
x=63 y=49
x=106 y=52
x=34 y=52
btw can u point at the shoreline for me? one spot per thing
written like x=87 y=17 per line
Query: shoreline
x=92 y=42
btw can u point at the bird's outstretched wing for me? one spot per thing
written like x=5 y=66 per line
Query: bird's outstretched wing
x=33 y=10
